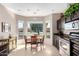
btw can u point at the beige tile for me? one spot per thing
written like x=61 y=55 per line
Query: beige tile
x=45 y=50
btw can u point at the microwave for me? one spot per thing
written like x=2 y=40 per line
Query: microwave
x=72 y=25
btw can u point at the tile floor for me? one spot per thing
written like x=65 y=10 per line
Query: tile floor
x=45 y=50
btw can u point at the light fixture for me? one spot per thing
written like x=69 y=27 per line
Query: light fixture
x=28 y=9
x=19 y=10
x=52 y=9
x=34 y=12
x=38 y=10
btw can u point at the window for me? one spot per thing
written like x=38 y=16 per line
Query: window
x=20 y=24
x=36 y=27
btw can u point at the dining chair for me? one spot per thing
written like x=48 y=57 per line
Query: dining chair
x=42 y=40
x=34 y=42
x=27 y=41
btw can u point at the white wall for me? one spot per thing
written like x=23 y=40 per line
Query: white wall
x=28 y=20
x=55 y=18
x=52 y=19
x=19 y=17
x=49 y=19
x=9 y=17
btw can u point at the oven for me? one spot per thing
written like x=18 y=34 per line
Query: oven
x=64 y=47
x=74 y=47
x=74 y=43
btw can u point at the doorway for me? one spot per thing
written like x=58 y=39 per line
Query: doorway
x=20 y=29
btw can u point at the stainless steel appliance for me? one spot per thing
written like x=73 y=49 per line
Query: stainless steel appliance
x=74 y=39
x=64 y=47
x=72 y=25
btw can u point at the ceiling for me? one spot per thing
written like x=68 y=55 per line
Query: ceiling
x=36 y=9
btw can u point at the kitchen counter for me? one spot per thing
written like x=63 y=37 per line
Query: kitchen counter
x=11 y=41
x=70 y=41
x=4 y=45
x=65 y=37
x=3 y=41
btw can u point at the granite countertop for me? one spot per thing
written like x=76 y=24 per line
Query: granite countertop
x=64 y=36
x=2 y=39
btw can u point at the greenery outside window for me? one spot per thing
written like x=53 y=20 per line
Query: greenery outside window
x=38 y=27
x=71 y=10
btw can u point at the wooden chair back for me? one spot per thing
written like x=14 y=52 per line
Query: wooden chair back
x=42 y=41
x=34 y=39
x=25 y=38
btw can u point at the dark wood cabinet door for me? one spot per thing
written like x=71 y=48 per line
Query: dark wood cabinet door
x=56 y=41
x=62 y=23
x=75 y=16
x=59 y=24
x=68 y=19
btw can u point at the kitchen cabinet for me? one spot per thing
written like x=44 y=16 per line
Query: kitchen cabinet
x=7 y=45
x=4 y=47
x=60 y=23
x=68 y=19
x=72 y=18
x=12 y=43
x=68 y=25
x=72 y=22
x=75 y=16
x=64 y=46
x=56 y=41
x=72 y=25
